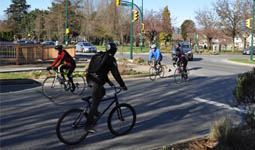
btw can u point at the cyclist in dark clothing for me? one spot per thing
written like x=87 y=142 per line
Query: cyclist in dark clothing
x=100 y=65
x=68 y=64
x=181 y=57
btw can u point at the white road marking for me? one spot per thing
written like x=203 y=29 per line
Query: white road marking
x=219 y=104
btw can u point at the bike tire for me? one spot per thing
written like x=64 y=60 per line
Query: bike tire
x=70 y=127
x=161 y=72
x=178 y=76
x=51 y=88
x=152 y=73
x=123 y=116
x=80 y=84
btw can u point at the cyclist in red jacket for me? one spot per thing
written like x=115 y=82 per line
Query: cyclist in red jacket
x=68 y=64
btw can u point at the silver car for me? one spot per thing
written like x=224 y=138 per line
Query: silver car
x=85 y=47
x=247 y=51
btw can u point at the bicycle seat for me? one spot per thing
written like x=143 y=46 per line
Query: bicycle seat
x=86 y=99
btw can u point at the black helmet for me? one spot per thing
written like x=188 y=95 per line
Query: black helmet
x=59 y=47
x=111 y=48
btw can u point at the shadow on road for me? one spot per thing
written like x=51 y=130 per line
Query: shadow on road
x=12 y=85
x=197 y=59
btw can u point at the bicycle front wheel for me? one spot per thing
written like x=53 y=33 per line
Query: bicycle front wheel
x=51 y=87
x=71 y=127
x=79 y=83
x=122 y=119
x=178 y=76
x=152 y=73
x=161 y=71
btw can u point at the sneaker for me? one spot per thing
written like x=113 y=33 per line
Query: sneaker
x=90 y=128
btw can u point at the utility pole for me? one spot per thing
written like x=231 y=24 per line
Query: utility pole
x=196 y=42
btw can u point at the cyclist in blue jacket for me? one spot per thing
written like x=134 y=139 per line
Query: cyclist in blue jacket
x=155 y=52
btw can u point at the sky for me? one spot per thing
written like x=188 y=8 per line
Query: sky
x=179 y=9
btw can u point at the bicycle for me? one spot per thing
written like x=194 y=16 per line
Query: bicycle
x=179 y=73
x=53 y=85
x=71 y=125
x=156 y=70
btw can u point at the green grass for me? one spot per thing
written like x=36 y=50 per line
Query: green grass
x=242 y=60
x=125 y=49
x=14 y=75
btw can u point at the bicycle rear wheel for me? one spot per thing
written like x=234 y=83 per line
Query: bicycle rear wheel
x=122 y=119
x=152 y=73
x=71 y=127
x=51 y=87
x=178 y=76
x=80 y=84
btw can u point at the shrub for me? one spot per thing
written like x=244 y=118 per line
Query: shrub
x=244 y=93
x=139 y=60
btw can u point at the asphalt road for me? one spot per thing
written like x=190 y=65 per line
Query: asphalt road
x=166 y=112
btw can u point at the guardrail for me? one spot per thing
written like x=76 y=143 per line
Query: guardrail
x=27 y=54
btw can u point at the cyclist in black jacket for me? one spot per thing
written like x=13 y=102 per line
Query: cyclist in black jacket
x=100 y=65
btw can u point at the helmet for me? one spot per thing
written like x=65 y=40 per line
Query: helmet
x=153 y=46
x=59 y=47
x=111 y=48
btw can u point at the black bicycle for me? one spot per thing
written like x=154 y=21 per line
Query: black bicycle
x=179 y=74
x=71 y=126
x=53 y=86
x=156 y=70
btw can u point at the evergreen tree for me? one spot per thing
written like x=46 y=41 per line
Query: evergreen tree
x=16 y=12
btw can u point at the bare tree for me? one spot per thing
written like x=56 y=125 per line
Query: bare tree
x=153 y=25
x=230 y=17
x=208 y=21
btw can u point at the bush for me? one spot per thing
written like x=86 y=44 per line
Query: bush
x=139 y=60
x=244 y=93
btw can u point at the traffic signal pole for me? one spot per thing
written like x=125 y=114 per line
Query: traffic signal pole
x=252 y=32
x=142 y=26
x=66 y=23
x=131 y=31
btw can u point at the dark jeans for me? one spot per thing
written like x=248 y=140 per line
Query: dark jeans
x=70 y=71
x=98 y=92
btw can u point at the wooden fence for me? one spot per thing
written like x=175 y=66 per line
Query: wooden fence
x=27 y=54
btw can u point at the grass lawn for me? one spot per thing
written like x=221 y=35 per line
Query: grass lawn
x=125 y=49
x=15 y=75
x=242 y=60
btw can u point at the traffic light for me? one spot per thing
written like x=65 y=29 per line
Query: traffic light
x=143 y=28
x=135 y=15
x=248 y=22
x=118 y=2
x=67 y=31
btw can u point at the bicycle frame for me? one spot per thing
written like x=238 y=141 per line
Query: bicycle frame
x=115 y=100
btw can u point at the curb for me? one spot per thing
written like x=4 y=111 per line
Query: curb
x=237 y=63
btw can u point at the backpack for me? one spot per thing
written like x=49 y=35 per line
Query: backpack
x=97 y=62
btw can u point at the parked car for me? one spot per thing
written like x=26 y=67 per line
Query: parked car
x=25 y=42
x=48 y=43
x=247 y=51
x=185 y=46
x=85 y=47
